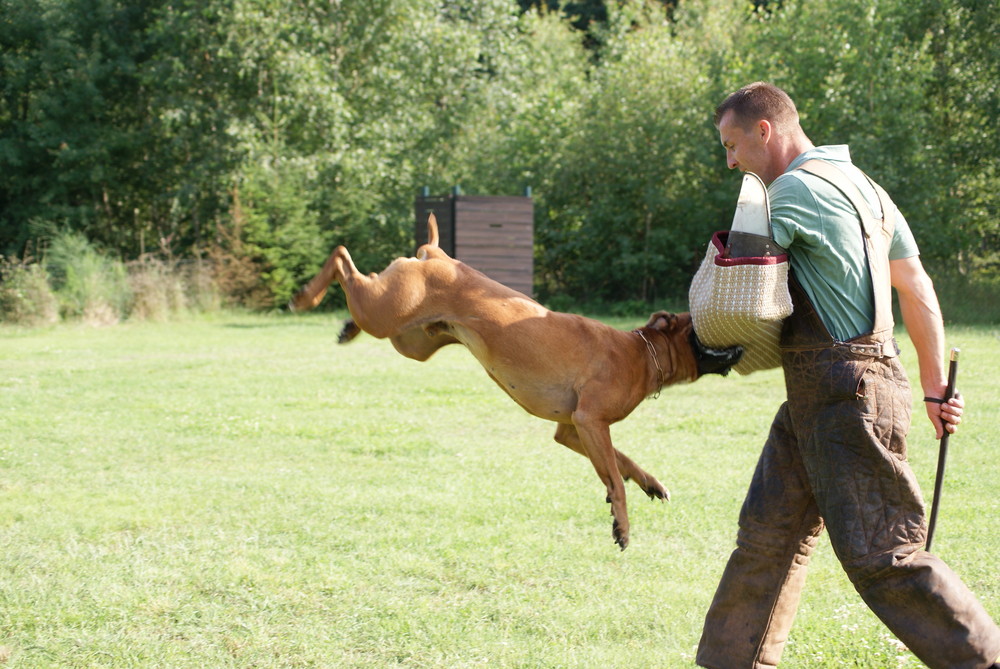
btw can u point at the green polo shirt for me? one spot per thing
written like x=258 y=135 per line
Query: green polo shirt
x=822 y=232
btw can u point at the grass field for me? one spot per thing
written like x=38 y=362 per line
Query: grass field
x=240 y=491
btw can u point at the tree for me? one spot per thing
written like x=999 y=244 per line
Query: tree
x=72 y=112
x=262 y=132
x=639 y=191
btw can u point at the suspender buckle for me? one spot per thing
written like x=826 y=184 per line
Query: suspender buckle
x=887 y=349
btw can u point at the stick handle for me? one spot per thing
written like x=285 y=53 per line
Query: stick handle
x=949 y=392
x=942 y=450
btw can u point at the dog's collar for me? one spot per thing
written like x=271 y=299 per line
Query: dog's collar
x=652 y=354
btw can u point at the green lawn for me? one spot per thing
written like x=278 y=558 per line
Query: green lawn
x=240 y=491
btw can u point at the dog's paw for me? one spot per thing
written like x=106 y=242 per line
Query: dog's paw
x=350 y=331
x=653 y=488
x=658 y=492
x=621 y=537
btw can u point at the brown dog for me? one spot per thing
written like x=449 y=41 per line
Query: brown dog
x=578 y=372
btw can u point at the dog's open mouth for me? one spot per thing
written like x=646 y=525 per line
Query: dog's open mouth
x=714 y=360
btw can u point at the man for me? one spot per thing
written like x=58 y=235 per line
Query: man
x=836 y=453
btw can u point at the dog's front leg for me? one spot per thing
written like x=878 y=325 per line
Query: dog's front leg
x=567 y=435
x=595 y=435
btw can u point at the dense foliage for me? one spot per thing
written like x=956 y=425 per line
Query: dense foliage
x=253 y=135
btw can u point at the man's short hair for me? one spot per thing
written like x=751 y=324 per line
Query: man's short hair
x=756 y=101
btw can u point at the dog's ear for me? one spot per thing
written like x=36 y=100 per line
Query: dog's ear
x=667 y=321
x=660 y=320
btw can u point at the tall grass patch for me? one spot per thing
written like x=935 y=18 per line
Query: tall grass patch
x=76 y=282
x=157 y=291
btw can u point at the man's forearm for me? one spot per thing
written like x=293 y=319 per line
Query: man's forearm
x=922 y=316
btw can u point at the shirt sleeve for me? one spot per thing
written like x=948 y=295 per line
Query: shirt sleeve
x=792 y=204
x=903 y=244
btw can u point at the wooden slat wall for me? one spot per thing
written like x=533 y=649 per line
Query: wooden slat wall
x=495 y=234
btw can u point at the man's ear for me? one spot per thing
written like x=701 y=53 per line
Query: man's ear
x=765 y=130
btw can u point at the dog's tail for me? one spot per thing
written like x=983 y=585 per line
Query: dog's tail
x=431 y=248
x=432 y=230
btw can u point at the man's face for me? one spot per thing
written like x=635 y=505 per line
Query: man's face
x=746 y=149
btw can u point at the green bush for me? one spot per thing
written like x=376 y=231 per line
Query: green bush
x=87 y=284
x=25 y=295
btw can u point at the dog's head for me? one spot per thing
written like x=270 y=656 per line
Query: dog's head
x=714 y=360
x=709 y=360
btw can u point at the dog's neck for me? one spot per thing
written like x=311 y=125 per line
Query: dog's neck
x=667 y=360
x=656 y=361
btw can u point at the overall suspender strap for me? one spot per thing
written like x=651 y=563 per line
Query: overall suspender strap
x=877 y=235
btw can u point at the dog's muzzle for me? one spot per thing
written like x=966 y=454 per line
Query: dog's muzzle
x=714 y=360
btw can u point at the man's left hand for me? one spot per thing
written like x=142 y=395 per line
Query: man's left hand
x=946 y=416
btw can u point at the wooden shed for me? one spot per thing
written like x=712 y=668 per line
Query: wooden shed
x=493 y=234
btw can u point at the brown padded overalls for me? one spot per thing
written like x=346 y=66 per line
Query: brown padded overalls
x=836 y=456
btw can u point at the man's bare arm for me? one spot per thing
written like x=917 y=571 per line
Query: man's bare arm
x=922 y=316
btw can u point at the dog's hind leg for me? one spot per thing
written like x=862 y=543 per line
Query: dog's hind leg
x=312 y=293
x=373 y=299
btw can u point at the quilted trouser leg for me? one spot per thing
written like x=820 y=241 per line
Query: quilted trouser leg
x=929 y=608
x=748 y=622
x=854 y=448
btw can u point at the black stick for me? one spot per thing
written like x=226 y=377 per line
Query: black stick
x=942 y=450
